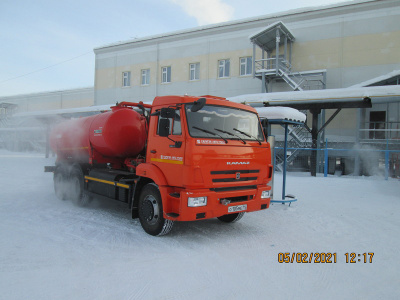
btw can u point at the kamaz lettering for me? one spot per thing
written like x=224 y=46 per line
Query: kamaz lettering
x=229 y=163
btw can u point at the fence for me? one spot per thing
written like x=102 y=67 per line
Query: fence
x=362 y=161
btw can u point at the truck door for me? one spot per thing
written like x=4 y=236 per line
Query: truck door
x=168 y=152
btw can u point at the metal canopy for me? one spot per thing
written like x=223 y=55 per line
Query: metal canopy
x=266 y=39
x=315 y=108
x=323 y=103
x=285 y=123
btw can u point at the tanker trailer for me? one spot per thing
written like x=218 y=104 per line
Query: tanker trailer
x=104 y=138
x=102 y=141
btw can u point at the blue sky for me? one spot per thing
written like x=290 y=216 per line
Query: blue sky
x=47 y=45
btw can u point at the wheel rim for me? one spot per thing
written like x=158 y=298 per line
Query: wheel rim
x=151 y=210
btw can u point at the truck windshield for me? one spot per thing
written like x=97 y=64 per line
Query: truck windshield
x=220 y=121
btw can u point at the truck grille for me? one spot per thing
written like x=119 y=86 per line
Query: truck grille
x=234 y=188
x=238 y=175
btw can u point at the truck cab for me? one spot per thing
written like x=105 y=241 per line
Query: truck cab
x=208 y=157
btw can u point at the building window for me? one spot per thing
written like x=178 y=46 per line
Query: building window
x=126 y=79
x=194 y=71
x=246 y=66
x=145 y=77
x=223 y=68
x=165 y=74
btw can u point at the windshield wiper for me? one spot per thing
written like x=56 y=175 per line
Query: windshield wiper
x=248 y=135
x=231 y=134
x=210 y=132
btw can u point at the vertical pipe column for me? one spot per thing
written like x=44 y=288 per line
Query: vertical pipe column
x=314 y=136
x=254 y=61
x=263 y=89
x=326 y=159
x=278 y=39
x=285 y=51
x=387 y=160
x=284 y=162
x=358 y=138
x=271 y=141
x=263 y=57
x=319 y=154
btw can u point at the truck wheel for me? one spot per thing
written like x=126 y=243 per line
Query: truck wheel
x=231 y=218
x=60 y=184
x=76 y=192
x=151 y=211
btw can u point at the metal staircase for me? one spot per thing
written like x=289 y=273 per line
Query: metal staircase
x=275 y=66
x=299 y=138
x=275 y=42
x=298 y=81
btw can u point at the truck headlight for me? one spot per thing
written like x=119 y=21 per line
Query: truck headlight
x=197 y=201
x=265 y=194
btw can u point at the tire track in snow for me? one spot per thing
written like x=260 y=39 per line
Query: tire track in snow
x=141 y=293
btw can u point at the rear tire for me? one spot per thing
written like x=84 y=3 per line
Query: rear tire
x=231 y=218
x=60 y=183
x=76 y=187
x=151 y=211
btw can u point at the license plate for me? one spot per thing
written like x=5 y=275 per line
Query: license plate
x=237 y=208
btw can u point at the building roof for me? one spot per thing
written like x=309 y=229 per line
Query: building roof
x=266 y=38
x=380 y=80
x=227 y=25
x=66 y=111
x=38 y=94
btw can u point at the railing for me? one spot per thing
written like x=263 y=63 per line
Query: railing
x=381 y=130
x=270 y=64
x=284 y=70
x=371 y=162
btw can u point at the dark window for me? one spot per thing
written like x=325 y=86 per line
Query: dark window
x=174 y=124
x=377 y=124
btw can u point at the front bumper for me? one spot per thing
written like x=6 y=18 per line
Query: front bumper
x=176 y=205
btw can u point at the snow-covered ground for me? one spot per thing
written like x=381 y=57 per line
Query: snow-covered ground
x=51 y=249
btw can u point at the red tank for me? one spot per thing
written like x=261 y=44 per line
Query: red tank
x=119 y=133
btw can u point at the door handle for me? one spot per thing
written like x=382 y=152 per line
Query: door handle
x=153 y=151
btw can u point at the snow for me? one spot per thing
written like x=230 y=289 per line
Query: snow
x=377 y=79
x=281 y=113
x=51 y=249
x=376 y=93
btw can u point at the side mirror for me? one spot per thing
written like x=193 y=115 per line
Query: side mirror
x=163 y=127
x=199 y=104
x=265 y=126
x=167 y=112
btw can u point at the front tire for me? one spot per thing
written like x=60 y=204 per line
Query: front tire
x=231 y=218
x=151 y=211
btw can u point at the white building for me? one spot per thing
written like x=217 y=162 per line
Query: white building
x=347 y=42
x=355 y=43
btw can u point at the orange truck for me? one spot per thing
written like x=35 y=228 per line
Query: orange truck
x=182 y=158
